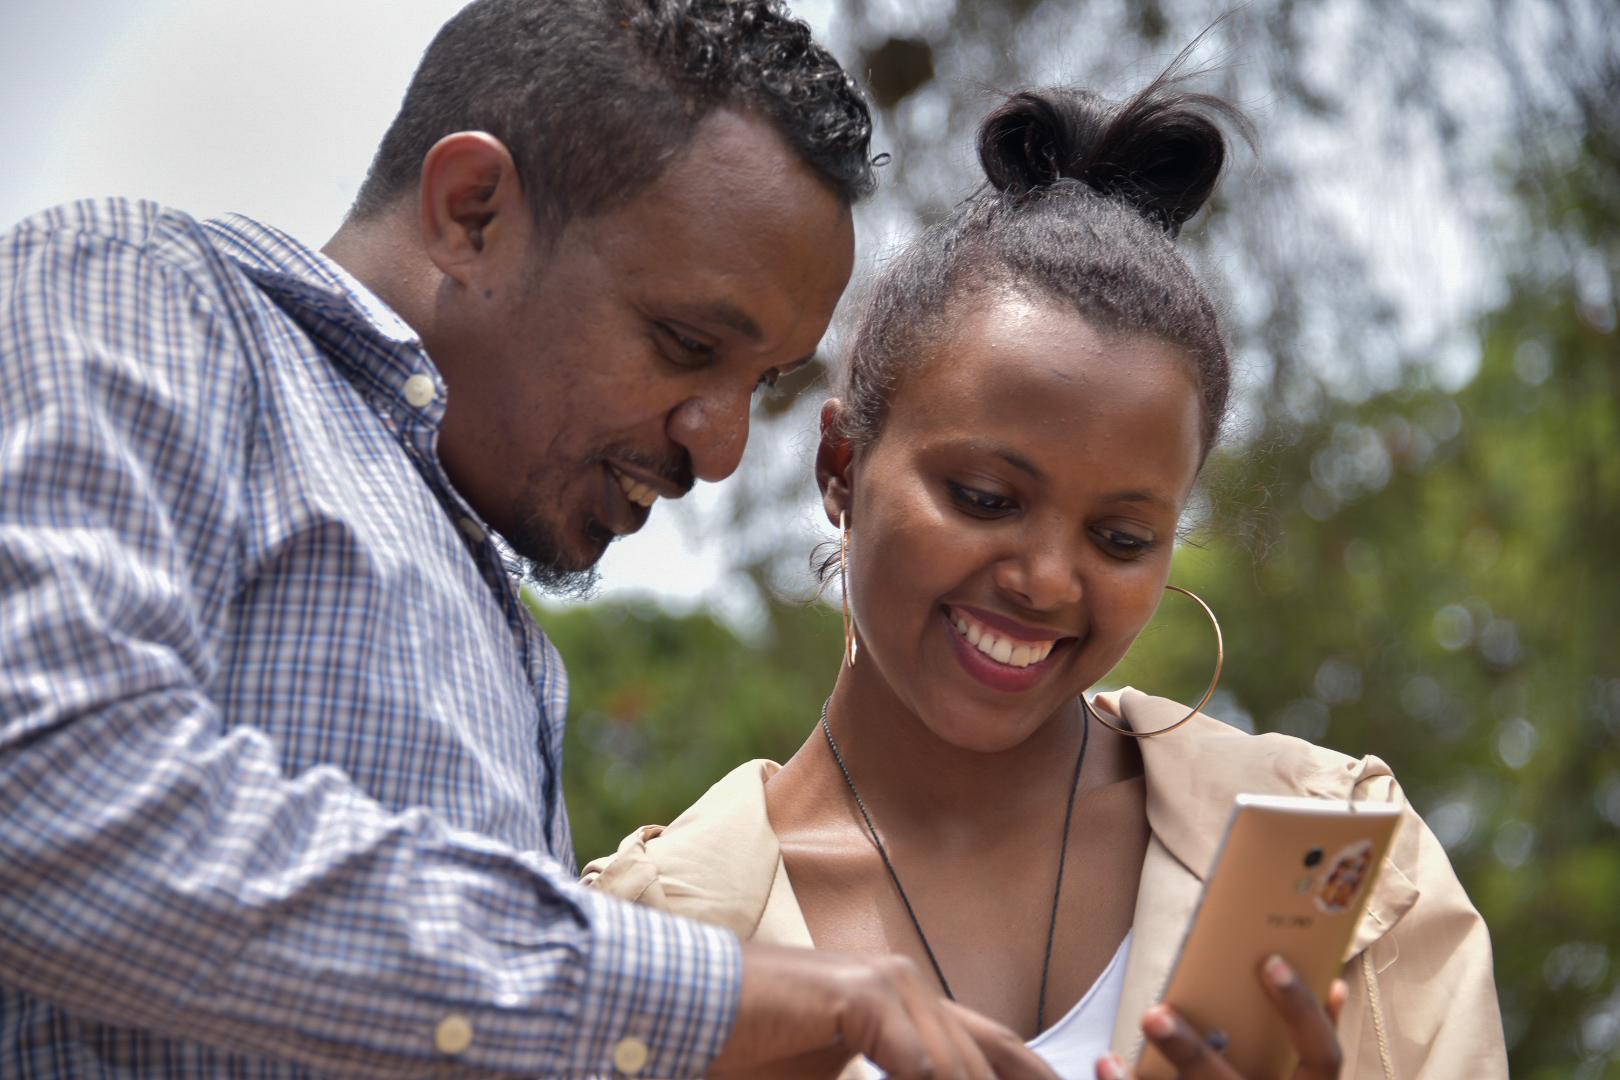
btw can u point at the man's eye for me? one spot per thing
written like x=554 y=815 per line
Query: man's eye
x=693 y=352
x=980 y=503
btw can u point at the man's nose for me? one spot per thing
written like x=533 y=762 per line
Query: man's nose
x=714 y=432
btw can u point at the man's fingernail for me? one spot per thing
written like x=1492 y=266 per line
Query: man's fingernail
x=1111 y=1068
x=1278 y=973
x=1157 y=1023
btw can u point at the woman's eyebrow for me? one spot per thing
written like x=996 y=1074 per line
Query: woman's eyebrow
x=1023 y=464
x=1019 y=461
x=1139 y=497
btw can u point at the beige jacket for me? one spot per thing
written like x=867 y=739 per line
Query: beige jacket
x=1422 y=997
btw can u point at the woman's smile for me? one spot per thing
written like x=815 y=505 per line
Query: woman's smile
x=1000 y=652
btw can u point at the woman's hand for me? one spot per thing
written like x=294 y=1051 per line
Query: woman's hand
x=1311 y=1028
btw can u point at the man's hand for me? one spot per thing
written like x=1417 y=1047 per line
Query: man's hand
x=1311 y=1028
x=796 y=1002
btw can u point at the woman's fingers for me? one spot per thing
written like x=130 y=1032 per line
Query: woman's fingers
x=1178 y=1041
x=1338 y=994
x=1310 y=1026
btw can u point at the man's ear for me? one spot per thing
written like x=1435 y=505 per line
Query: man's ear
x=835 y=461
x=473 y=211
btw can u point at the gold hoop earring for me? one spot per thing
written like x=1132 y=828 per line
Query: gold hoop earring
x=851 y=646
x=1220 y=660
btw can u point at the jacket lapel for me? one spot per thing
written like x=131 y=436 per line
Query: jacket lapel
x=1192 y=777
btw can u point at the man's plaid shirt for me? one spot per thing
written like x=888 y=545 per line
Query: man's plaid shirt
x=279 y=745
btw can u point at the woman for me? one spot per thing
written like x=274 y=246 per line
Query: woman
x=1031 y=393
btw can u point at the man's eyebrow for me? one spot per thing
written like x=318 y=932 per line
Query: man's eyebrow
x=726 y=314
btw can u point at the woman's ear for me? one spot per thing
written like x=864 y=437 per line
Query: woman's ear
x=835 y=459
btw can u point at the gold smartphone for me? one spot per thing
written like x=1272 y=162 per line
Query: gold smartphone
x=1291 y=877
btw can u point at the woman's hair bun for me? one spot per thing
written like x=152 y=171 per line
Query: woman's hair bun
x=1159 y=152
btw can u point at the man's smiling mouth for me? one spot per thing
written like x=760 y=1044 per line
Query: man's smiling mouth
x=634 y=490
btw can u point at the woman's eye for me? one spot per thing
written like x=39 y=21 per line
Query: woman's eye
x=1124 y=545
x=982 y=503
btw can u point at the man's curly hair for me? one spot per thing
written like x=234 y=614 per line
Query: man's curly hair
x=594 y=98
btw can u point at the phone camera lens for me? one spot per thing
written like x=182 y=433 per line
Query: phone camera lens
x=1313 y=856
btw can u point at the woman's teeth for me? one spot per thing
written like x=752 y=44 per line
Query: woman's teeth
x=1002 y=650
x=635 y=490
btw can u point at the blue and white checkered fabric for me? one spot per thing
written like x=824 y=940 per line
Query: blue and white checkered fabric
x=279 y=746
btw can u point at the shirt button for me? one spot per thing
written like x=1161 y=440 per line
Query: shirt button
x=630 y=1056
x=453 y=1035
x=419 y=390
x=472 y=530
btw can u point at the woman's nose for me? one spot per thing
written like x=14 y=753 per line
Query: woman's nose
x=1042 y=576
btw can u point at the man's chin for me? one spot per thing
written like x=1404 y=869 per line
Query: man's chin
x=561 y=570
x=567 y=584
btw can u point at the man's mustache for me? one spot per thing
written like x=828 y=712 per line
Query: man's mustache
x=675 y=472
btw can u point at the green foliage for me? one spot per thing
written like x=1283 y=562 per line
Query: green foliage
x=1437 y=586
x=662 y=705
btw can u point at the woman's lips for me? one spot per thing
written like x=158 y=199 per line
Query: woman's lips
x=995 y=657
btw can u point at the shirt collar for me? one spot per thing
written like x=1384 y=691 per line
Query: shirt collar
x=364 y=336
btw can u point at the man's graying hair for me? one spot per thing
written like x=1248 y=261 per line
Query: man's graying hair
x=595 y=98
x=1082 y=201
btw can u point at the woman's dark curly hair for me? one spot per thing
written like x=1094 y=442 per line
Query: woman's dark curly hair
x=1082 y=202
x=594 y=98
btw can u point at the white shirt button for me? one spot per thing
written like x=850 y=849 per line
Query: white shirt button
x=419 y=390
x=630 y=1055
x=472 y=530
x=453 y=1035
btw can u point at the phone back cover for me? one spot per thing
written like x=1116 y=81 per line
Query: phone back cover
x=1286 y=881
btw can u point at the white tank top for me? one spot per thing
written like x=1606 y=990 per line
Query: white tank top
x=1073 y=1044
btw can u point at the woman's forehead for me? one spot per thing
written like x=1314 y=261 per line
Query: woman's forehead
x=1013 y=362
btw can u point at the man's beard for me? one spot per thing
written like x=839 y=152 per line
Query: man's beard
x=537 y=550
x=537 y=561
x=540 y=560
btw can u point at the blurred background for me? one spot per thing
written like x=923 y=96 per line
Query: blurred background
x=1412 y=536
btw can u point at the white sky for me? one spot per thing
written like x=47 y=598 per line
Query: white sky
x=271 y=109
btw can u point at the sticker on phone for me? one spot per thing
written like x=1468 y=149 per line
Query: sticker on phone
x=1346 y=874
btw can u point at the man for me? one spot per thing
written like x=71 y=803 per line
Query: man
x=279 y=746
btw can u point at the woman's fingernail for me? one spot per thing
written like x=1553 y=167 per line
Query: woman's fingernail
x=1111 y=1068
x=1157 y=1023
x=1278 y=973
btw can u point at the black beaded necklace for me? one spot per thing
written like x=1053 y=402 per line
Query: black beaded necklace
x=1057 y=889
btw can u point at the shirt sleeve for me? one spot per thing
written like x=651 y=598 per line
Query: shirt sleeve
x=158 y=870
